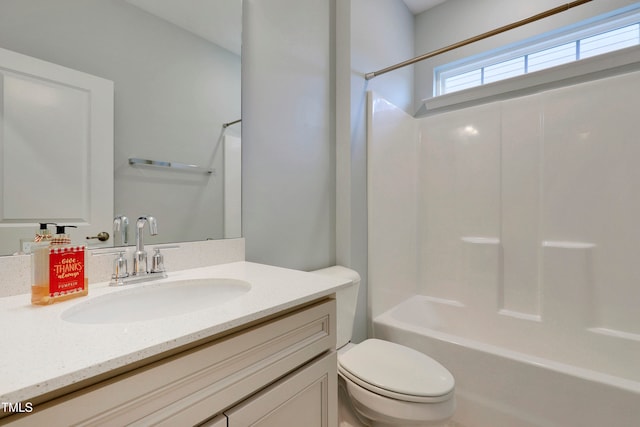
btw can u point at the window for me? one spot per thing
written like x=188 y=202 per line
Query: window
x=596 y=37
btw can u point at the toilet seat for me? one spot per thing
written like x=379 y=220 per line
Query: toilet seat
x=397 y=372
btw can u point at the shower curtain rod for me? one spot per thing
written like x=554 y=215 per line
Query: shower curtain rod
x=465 y=42
x=226 y=125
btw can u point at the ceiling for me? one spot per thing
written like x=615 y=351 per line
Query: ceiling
x=220 y=21
x=419 y=6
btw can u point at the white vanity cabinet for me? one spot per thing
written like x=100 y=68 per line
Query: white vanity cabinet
x=276 y=372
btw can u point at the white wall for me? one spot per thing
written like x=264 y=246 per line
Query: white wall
x=288 y=176
x=456 y=20
x=173 y=91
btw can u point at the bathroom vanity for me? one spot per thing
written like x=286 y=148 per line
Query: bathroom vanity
x=266 y=355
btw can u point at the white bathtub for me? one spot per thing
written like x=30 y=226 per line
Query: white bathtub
x=517 y=373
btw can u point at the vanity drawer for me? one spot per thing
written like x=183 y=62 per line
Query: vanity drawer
x=196 y=384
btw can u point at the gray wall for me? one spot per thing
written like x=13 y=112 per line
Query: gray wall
x=304 y=146
x=173 y=91
x=372 y=34
x=288 y=180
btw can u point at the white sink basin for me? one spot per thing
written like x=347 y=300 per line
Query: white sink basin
x=156 y=301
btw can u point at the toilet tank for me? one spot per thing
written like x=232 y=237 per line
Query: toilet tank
x=346 y=301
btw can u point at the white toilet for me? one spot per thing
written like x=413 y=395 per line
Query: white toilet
x=386 y=384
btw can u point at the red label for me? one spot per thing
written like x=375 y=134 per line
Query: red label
x=66 y=270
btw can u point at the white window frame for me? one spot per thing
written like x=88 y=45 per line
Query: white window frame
x=598 y=25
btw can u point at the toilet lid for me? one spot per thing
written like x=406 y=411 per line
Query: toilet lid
x=396 y=371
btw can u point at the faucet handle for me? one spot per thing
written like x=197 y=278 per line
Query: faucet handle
x=157 y=262
x=121 y=223
x=120 y=268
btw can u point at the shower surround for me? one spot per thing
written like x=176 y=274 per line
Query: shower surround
x=511 y=229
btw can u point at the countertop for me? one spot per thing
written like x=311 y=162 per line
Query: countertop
x=41 y=352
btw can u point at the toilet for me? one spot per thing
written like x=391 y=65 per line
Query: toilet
x=384 y=384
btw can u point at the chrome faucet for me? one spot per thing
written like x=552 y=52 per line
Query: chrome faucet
x=141 y=271
x=140 y=256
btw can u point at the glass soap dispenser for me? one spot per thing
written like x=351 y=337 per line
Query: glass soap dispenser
x=58 y=270
x=43 y=235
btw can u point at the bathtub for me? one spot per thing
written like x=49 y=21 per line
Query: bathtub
x=513 y=372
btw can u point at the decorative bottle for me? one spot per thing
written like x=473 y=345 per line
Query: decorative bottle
x=58 y=270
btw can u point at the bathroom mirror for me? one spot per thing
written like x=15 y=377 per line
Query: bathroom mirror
x=176 y=71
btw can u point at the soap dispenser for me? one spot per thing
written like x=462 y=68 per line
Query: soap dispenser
x=58 y=270
x=62 y=237
x=43 y=234
x=42 y=238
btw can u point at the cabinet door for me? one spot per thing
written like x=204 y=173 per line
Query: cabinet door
x=307 y=397
x=56 y=150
